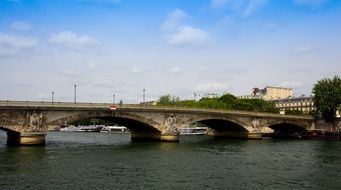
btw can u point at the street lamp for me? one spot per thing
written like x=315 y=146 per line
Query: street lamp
x=75 y=93
x=113 y=99
x=52 y=98
x=144 y=96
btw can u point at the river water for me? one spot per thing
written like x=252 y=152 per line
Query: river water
x=111 y=161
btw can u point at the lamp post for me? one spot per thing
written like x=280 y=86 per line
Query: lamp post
x=113 y=99
x=52 y=98
x=144 y=96
x=75 y=93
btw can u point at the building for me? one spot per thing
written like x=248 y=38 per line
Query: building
x=283 y=99
x=303 y=103
x=269 y=93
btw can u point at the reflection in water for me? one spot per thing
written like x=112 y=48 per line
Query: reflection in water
x=112 y=161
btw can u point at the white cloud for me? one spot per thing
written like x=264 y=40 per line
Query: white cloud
x=69 y=73
x=91 y=66
x=17 y=42
x=20 y=25
x=173 y=20
x=203 y=68
x=243 y=7
x=304 y=50
x=10 y=44
x=253 y=6
x=135 y=70
x=175 y=70
x=188 y=36
x=177 y=34
x=211 y=87
x=72 y=40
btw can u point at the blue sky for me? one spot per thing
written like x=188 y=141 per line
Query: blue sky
x=177 y=47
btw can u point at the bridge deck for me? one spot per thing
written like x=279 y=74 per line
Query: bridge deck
x=44 y=105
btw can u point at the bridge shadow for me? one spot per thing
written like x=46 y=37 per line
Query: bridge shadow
x=286 y=130
x=223 y=125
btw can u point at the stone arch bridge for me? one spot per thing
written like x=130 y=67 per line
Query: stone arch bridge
x=27 y=122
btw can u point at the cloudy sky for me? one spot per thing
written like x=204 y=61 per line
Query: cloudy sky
x=177 y=47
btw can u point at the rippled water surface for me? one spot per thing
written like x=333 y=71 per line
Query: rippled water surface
x=112 y=161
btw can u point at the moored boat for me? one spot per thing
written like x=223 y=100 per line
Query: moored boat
x=321 y=135
x=70 y=128
x=115 y=129
x=90 y=128
x=193 y=131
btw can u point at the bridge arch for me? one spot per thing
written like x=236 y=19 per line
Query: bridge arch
x=286 y=127
x=7 y=125
x=221 y=123
x=8 y=129
x=133 y=122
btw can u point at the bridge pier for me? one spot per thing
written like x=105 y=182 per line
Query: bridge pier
x=147 y=136
x=169 y=138
x=14 y=138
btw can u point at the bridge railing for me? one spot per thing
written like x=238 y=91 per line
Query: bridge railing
x=10 y=103
x=50 y=104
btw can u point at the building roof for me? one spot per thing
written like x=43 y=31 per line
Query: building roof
x=278 y=87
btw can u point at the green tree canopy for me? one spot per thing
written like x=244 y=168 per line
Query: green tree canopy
x=227 y=98
x=327 y=97
x=227 y=101
x=168 y=99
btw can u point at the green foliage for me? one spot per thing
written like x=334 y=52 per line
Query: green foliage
x=257 y=105
x=168 y=100
x=227 y=101
x=227 y=98
x=327 y=97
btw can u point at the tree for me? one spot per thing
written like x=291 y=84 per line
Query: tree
x=227 y=98
x=168 y=99
x=327 y=97
x=294 y=112
x=227 y=101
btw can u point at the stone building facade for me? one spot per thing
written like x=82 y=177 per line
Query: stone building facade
x=269 y=93
x=304 y=104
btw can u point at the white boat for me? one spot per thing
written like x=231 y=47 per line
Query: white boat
x=70 y=128
x=193 y=131
x=90 y=128
x=115 y=129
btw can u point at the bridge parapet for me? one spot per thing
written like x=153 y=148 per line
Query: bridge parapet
x=137 y=107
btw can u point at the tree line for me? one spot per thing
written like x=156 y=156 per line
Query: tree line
x=227 y=101
x=326 y=98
